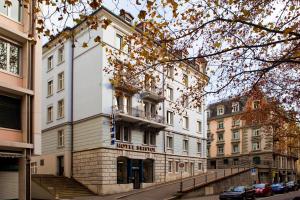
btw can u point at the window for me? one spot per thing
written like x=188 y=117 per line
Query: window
x=256 y=160
x=169 y=94
x=235 y=135
x=255 y=146
x=200 y=166
x=199 y=107
x=220 y=110
x=33 y=168
x=123 y=134
x=42 y=162
x=149 y=137
x=225 y=161
x=220 y=137
x=169 y=142
x=50 y=88
x=170 y=71
x=199 y=127
x=50 y=114
x=208 y=113
x=235 y=122
x=170 y=117
x=235 y=161
x=50 y=63
x=220 y=125
x=185 y=80
x=256 y=132
x=61 y=55
x=60 y=109
x=61 y=138
x=221 y=149
x=9 y=57
x=185 y=122
x=60 y=81
x=185 y=101
x=10 y=112
x=235 y=107
x=13 y=11
x=199 y=146
x=185 y=145
x=235 y=148
x=170 y=168
x=256 y=104
x=119 y=41
x=176 y=166
x=186 y=165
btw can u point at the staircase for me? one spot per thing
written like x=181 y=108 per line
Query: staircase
x=61 y=187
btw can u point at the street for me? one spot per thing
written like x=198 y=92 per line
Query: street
x=286 y=196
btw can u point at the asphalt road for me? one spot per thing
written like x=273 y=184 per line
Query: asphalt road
x=286 y=196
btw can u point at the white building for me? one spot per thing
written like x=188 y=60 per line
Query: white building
x=78 y=103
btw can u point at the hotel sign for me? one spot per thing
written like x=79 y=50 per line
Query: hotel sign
x=135 y=147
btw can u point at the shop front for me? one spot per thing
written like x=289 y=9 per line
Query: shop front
x=135 y=171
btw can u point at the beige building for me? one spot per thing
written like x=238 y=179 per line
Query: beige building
x=234 y=143
x=20 y=62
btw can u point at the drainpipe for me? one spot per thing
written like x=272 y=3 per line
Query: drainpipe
x=165 y=151
x=72 y=102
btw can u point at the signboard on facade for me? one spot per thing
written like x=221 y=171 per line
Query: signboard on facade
x=135 y=147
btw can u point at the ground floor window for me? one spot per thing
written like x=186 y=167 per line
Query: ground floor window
x=122 y=177
x=148 y=170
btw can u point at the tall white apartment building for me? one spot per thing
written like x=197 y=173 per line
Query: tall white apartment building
x=80 y=105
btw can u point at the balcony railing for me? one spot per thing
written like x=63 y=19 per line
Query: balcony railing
x=135 y=112
x=152 y=93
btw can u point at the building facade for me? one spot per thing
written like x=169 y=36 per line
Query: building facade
x=20 y=132
x=115 y=137
x=234 y=143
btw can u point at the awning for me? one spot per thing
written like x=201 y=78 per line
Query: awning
x=10 y=155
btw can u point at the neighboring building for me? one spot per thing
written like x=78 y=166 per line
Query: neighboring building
x=80 y=104
x=20 y=62
x=234 y=143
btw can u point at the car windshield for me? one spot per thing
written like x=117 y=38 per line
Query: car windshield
x=259 y=185
x=237 y=189
x=276 y=185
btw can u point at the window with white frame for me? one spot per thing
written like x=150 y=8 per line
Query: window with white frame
x=149 y=137
x=169 y=142
x=170 y=117
x=199 y=107
x=123 y=133
x=185 y=122
x=256 y=104
x=185 y=101
x=61 y=54
x=235 y=107
x=61 y=81
x=50 y=114
x=200 y=166
x=169 y=93
x=185 y=145
x=170 y=71
x=199 y=127
x=50 y=63
x=119 y=41
x=220 y=137
x=235 y=122
x=256 y=132
x=50 y=88
x=220 y=149
x=235 y=134
x=9 y=57
x=14 y=11
x=255 y=146
x=220 y=110
x=199 y=147
x=61 y=138
x=33 y=167
x=170 y=166
x=220 y=125
x=235 y=148
x=60 y=109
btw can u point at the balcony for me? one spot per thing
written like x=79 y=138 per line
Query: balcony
x=233 y=140
x=138 y=117
x=220 y=141
x=125 y=83
x=153 y=94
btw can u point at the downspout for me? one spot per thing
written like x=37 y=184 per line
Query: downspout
x=165 y=151
x=72 y=102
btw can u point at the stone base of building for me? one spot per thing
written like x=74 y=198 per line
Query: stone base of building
x=110 y=171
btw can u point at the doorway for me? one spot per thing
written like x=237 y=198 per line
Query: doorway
x=136 y=178
x=213 y=164
x=60 y=166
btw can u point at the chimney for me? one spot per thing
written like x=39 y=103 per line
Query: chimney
x=126 y=16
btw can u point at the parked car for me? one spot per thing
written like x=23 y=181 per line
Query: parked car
x=292 y=186
x=279 y=188
x=263 y=189
x=238 y=192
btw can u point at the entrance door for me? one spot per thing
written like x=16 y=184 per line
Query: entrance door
x=213 y=164
x=60 y=165
x=136 y=180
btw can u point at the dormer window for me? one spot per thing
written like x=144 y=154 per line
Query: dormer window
x=235 y=107
x=220 y=110
x=256 y=104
